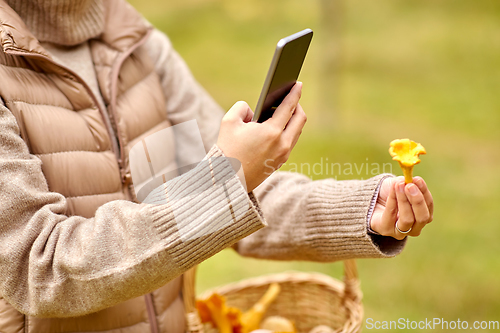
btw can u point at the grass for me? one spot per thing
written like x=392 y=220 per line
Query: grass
x=377 y=70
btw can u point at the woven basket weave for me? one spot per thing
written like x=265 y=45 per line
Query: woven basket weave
x=308 y=299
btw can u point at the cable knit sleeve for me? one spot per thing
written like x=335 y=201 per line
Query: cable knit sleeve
x=52 y=265
x=323 y=220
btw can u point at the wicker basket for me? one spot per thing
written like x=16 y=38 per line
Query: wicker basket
x=308 y=299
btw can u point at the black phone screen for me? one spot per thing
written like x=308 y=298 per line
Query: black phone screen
x=290 y=52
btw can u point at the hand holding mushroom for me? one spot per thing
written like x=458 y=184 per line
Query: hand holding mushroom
x=404 y=204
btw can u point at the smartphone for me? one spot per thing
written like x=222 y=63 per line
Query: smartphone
x=283 y=73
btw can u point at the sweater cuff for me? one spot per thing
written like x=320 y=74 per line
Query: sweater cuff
x=204 y=211
x=338 y=228
x=373 y=202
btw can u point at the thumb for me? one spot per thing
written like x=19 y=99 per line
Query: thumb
x=240 y=111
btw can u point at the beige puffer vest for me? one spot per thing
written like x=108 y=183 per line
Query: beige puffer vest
x=61 y=123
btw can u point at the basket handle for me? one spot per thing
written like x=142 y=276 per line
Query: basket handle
x=193 y=321
x=351 y=281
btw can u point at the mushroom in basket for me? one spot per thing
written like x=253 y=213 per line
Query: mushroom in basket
x=228 y=319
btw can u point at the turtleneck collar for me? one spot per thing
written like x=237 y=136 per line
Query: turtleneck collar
x=63 y=22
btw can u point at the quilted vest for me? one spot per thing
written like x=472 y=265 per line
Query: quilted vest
x=62 y=124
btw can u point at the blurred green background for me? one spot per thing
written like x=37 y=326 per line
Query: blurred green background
x=376 y=71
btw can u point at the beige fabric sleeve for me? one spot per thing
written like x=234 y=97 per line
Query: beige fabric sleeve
x=52 y=265
x=323 y=220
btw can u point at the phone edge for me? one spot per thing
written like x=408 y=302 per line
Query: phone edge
x=267 y=82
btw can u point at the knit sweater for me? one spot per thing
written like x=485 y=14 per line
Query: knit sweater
x=55 y=265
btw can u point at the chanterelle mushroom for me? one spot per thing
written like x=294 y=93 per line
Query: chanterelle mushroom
x=406 y=152
x=229 y=319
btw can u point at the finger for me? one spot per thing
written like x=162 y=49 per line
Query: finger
x=426 y=193
x=419 y=206
x=285 y=110
x=240 y=111
x=390 y=214
x=406 y=218
x=295 y=125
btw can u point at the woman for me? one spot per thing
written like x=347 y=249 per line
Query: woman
x=85 y=81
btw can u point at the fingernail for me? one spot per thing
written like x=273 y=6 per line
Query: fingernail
x=401 y=187
x=413 y=189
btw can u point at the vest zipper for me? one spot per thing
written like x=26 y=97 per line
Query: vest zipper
x=148 y=298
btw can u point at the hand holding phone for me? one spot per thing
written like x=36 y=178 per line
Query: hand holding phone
x=283 y=73
x=262 y=148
